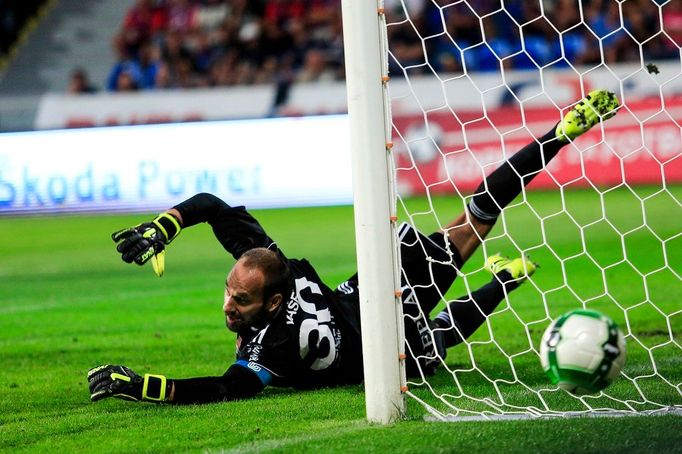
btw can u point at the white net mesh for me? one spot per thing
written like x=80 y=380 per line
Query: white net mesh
x=474 y=81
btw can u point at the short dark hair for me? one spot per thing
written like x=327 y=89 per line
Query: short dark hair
x=275 y=270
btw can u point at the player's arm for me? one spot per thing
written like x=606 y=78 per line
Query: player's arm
x=239 y=382
x=234 y=227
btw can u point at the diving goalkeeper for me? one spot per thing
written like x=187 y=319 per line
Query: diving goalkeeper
x=293 y=330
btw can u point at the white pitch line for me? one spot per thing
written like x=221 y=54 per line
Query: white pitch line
x=269 y=445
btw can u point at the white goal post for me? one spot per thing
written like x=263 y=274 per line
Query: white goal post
x=603 y=230
x=374 y=206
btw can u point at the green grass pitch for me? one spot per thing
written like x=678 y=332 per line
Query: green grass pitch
x=68 y=303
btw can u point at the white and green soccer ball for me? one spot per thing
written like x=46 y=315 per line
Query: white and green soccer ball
x=582 y=351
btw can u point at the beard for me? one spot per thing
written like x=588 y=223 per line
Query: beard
x=236 y=321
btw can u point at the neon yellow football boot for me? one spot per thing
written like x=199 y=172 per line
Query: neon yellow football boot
x=597 y=106
x=520 y=268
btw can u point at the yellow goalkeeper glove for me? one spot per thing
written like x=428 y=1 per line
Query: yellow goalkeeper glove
x=148 y=241
x=123 y=383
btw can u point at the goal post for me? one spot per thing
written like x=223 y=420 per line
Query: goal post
x=374 y=208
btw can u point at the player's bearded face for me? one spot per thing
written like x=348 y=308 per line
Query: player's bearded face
x=243 y=303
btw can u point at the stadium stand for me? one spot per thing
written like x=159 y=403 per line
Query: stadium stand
x=206 y=43
x=70 y=34
x=185 y=43
x=182 y=43
x=83 y=46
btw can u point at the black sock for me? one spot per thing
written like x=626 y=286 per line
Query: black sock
x=507 y=181
x=470 y=311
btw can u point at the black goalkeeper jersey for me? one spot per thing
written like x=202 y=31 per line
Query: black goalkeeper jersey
x=313 y=340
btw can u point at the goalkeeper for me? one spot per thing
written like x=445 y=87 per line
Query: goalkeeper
x=293 y=330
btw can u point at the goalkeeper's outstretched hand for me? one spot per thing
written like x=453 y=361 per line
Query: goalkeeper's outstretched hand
x=148 y=241
x=122 y=383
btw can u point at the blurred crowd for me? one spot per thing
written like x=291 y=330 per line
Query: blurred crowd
x=479 y=36
x=207 y=43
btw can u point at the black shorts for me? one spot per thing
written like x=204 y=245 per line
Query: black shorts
x=429 y=267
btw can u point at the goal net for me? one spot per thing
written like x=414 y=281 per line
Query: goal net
x=471 y=82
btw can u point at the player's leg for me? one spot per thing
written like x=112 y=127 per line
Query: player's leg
x=429 y=267
x=430 y=264
x=467 y=313
x=504 y=184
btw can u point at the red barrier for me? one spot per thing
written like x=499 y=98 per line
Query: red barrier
x=640 y=145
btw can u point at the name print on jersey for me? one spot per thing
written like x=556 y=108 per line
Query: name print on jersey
x=319 y=338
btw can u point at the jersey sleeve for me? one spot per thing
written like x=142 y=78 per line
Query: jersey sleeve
x=239 y=382
x=234 y=227
x=269 y=355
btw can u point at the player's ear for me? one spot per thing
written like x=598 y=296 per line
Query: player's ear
x=274 y=302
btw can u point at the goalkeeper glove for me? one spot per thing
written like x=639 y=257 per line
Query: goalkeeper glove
x=122 y=383
x=148 y=241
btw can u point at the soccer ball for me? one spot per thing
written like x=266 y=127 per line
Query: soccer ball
x=582 y=351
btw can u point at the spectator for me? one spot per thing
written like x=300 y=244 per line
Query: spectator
x=163 y=78
x=672 y=24
x=140 y=24
x=132 y=70
x=148 y=62
x=273 y=40
x=221 y=72
x=200 y=51
x=315 y=68
x=642 y=24
x=126 y=81
x=142 y=69
x=211 y=13
x=406 y=47
x=80 y=82
x=182 y=16
x=280 y=12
